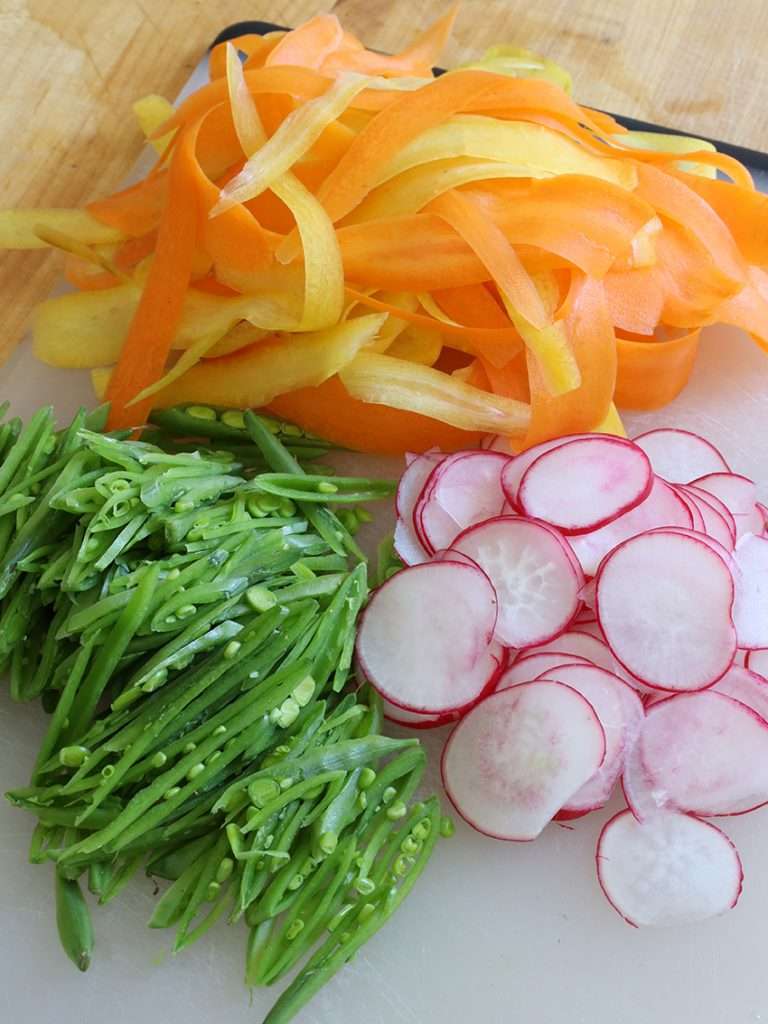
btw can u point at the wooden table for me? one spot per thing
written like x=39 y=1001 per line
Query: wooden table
x=71 y=69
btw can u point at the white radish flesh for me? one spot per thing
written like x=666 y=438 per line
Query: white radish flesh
x=679 y=456
x=664 y=604
x=705 y=753
x=662 y=507
x=424 y=638
x=620 y=712
x=745 y=686
x=525 y=670
x=757 y=661
x=737 y=492
x=750 y=606
x=516 y=467
x=714 y=502
x=519 y=755
x=463 y=490
x=582 y=485
x=697 y=519
x=671 y=870
x=534 y=572
x=751 y=523
x=583 y=645
x=406 y=542
x=717 y=523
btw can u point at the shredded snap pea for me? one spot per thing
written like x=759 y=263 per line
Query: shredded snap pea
x=185 y=608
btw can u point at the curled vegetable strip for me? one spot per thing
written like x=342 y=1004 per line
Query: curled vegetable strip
x=385 y=380
x=323 y=270
x=296 y=135
x=547 y=340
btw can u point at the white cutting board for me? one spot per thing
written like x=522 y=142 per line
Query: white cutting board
x=499 y=933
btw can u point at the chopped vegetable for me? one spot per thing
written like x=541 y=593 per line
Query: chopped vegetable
x=629 y=645
x=187 y=613
x=542 y=255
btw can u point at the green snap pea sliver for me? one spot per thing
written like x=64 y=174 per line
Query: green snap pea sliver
x=326 y=489
x=185 y=608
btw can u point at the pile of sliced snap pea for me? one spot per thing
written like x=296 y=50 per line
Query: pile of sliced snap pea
x=184 y=605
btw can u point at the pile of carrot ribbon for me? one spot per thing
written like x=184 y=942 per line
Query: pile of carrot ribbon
x=394 y=259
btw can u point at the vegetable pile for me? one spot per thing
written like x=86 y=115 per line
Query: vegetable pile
x=592 y=610
x=397 y=260
x=187 y=618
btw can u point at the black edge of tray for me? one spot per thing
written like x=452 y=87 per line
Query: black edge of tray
x=751 y=157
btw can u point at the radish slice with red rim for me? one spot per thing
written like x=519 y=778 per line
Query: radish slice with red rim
x=664 y=604
x=450 y=555
x=745 y=686
x=751 y=523
x=407 y=543
x=662 y=507
x=757 y=661
x=674 y=869
x=734 y=490
x=463 y=490
x=533 y=666
x=750 y=606
x=536 y=577
x=620 y=712
x=704 y=497
x=697 y=519
x=582 y=644
x=516 y=467
x=412 y=719
x=679 y=456
x=582 y=485
x=423 y=640
x=716 y=522
x=519 y=755
x=705 y=753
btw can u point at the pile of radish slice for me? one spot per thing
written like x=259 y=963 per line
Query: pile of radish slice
x=590 y=612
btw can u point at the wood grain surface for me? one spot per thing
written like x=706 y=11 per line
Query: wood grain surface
x=71 y=68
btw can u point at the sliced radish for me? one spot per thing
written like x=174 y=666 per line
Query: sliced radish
x=704 y=538
x=519 y=755
x=525 y=670
x=495 y=662
x=737 y=492
x=679 y=456
x=424 y=638
x=662 y=507
x=406 y=541
x=534 y=572
x=717 y=523
x=412 y=719
x=582 y=485
x=496 y=443
x=587 y=615
x=620 y=712
x=705 y=753
x=674 y=869
x=516 y=467
x=664 y=604
x=593 y=628
x=764 y=513
x=745 y=686
x=750 y=606
x=697 y=519
x=715 y=503
x=463 y=490
x=450 y=555
x=584 y=645
x=757 y=661
x=751 y=523
x=642 y=798
x=407 y=545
